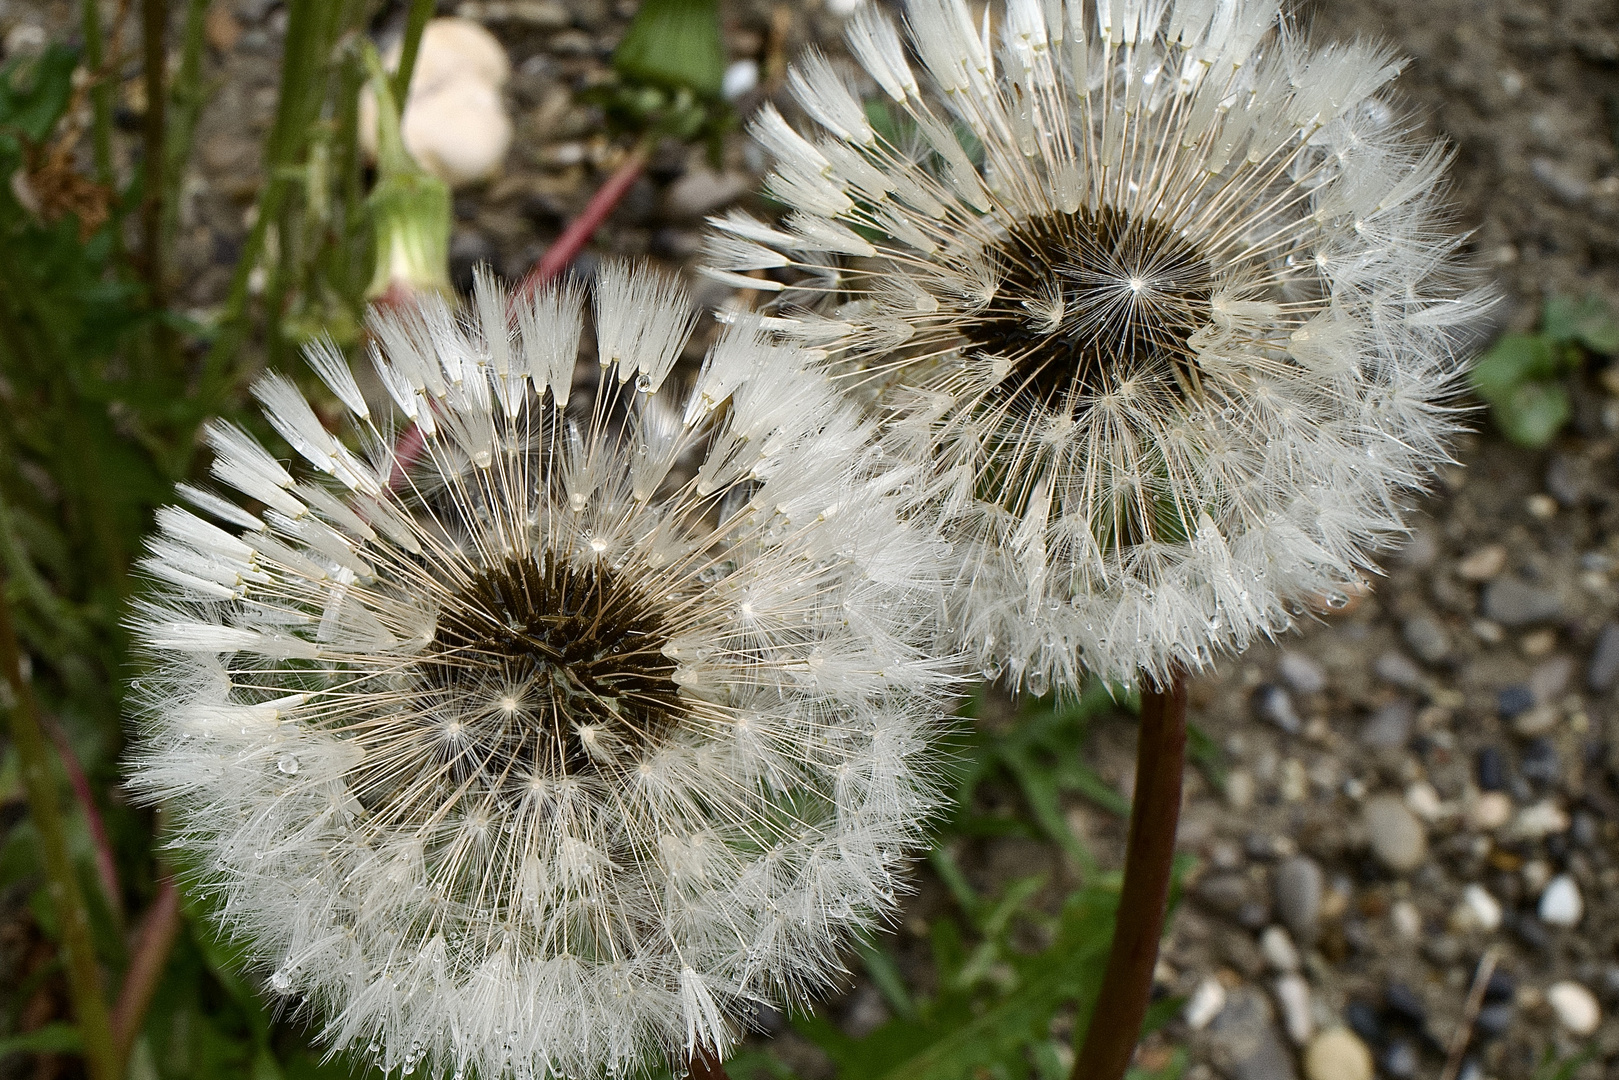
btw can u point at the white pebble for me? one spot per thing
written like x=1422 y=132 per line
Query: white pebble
x=1490 y=811
x=1575 y=1006
x=1239 y=789
x=1278 y=948
x=1293 y=995
x=1561 y=904
x=740 y=78
x=1540 y=821
x=1536 y=873
x=1424 y=801
x=1205 y=1003
x=1337 y=1054
x=1407 y=919
x=1477 y=911
x=1302 y=673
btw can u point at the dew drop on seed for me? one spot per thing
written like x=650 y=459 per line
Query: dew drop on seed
x=643 y=383
x=1039 y=683
x=991 y=670
x=280 y=981
x=286 y=763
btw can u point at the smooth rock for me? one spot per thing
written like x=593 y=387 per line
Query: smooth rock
x=1400 y=670
x=1478 y=910
x=1561 y=903
x=702 y=191
x=741 y=77
x=1427 y=638
x=1574 y=1006
x=1390 y=726
x=1245 y=1042
x=1483 y=564
x=1603 y=670
x=1363 y=1021
x=1239 y=789
x=1337 y=1054
x=1550 y=678
x=1513 y=701
x=1204 y=1004
x=1278 y=949
x=1536 y=874
x=1492 y=769
x=1537 y=721
x=1407 y=919
x=1512 y=602
x=1302 y=673
x=1298 y=884
x=1424 y=801
x=1490 y=811
x=1494 y=1020
x=1273 y=703
x=1397 y=837
x=1540 y=763
x=1405 y=1003
x=1293 y=995
x=1539 y=821
x=1400 y=1060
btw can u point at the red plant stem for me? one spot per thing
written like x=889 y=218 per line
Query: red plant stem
x=582 y=228
x=553 y=262
x=153 y=940
x=1121 y=1004
x=706 y=1065
x=106 y=866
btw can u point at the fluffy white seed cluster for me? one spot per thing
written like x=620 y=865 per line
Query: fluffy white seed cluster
x=1168 y=298
x=567 y=745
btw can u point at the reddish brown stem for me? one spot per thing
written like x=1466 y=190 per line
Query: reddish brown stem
x=106 y=866
x=582 y=228
x=1110 y=1041
x=706 y=1065
x=153 y=940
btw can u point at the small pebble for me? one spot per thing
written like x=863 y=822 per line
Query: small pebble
x=1337 y=1054
x=1512 y=602
x=1390 y=726
x=1204 y=1004
x=1490 y=811
x=1400 y=670
x=1483 y=564
x=1362 y=1020
x=1278 y=950
x=1477 y=911
x=1541 y=820
x=1407 y=919
x=1404 y=1002
x=1302 y=673
x=1575 y=1007
x=1538 y=644
x=1293 y=995
x=1536 y=873
x=1561 y=904
x=1492 y=769
x=1298 y=884
x=1603 y=670
x=1494 y=1019
x=1537 y=721
x=1275 y=704
x=739 y=78
x=1424 y=801
x=1400 y=1060
x=1550 y=678
x=1239 y=789
x=1540 y=763
x=1397 y=837
x=1540 y=505
x=1427 y=638
x=1513 y=701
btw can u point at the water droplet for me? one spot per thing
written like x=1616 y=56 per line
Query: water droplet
x=287 y=763
x=1039 y=683
x=991 y=670
x=1337 y=600
x=281 y=981
x=644 y=384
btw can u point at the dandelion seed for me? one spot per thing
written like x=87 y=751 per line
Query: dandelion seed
x=485 y=770
x=1169 y=299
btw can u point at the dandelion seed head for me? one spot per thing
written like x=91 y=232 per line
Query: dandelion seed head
x=475 y=753
x=1168 y=299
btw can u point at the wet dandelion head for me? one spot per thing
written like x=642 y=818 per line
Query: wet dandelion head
x=561 y=748
x=1168 y=298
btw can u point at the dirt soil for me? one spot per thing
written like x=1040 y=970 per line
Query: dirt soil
x=1410 y=779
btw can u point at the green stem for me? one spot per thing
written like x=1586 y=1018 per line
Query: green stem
x=100 y=89
x=415 y=23
x=1121 y=1004
x=186 y=99
x=84 y=982
x=154 y=26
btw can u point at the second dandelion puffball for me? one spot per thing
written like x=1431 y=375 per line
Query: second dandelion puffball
x=1168 y=298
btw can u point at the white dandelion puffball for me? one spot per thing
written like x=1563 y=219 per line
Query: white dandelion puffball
x=1168 y=298
x=568 y=745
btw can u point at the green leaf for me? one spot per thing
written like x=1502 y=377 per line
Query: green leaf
x=1590 y=322
x=1533 y=413
x=55 y=1038
x=676 y=44
x=1512 y=360
x=34 y=92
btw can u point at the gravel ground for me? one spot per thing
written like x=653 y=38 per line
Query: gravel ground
x=1418 y=784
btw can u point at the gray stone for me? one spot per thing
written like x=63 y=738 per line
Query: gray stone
x=1390 y=726
x=1245 y=1042
x=1398 y=669
x=1512 y=602
x=1603 y=671
x=1427 y=638
x=1398 y=839
x=1569 y=479
x=1550 y=678
x=1298 y=884
x=702 y=191
x=1275 y=704
x=1224 y=893
x=1302 y=673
